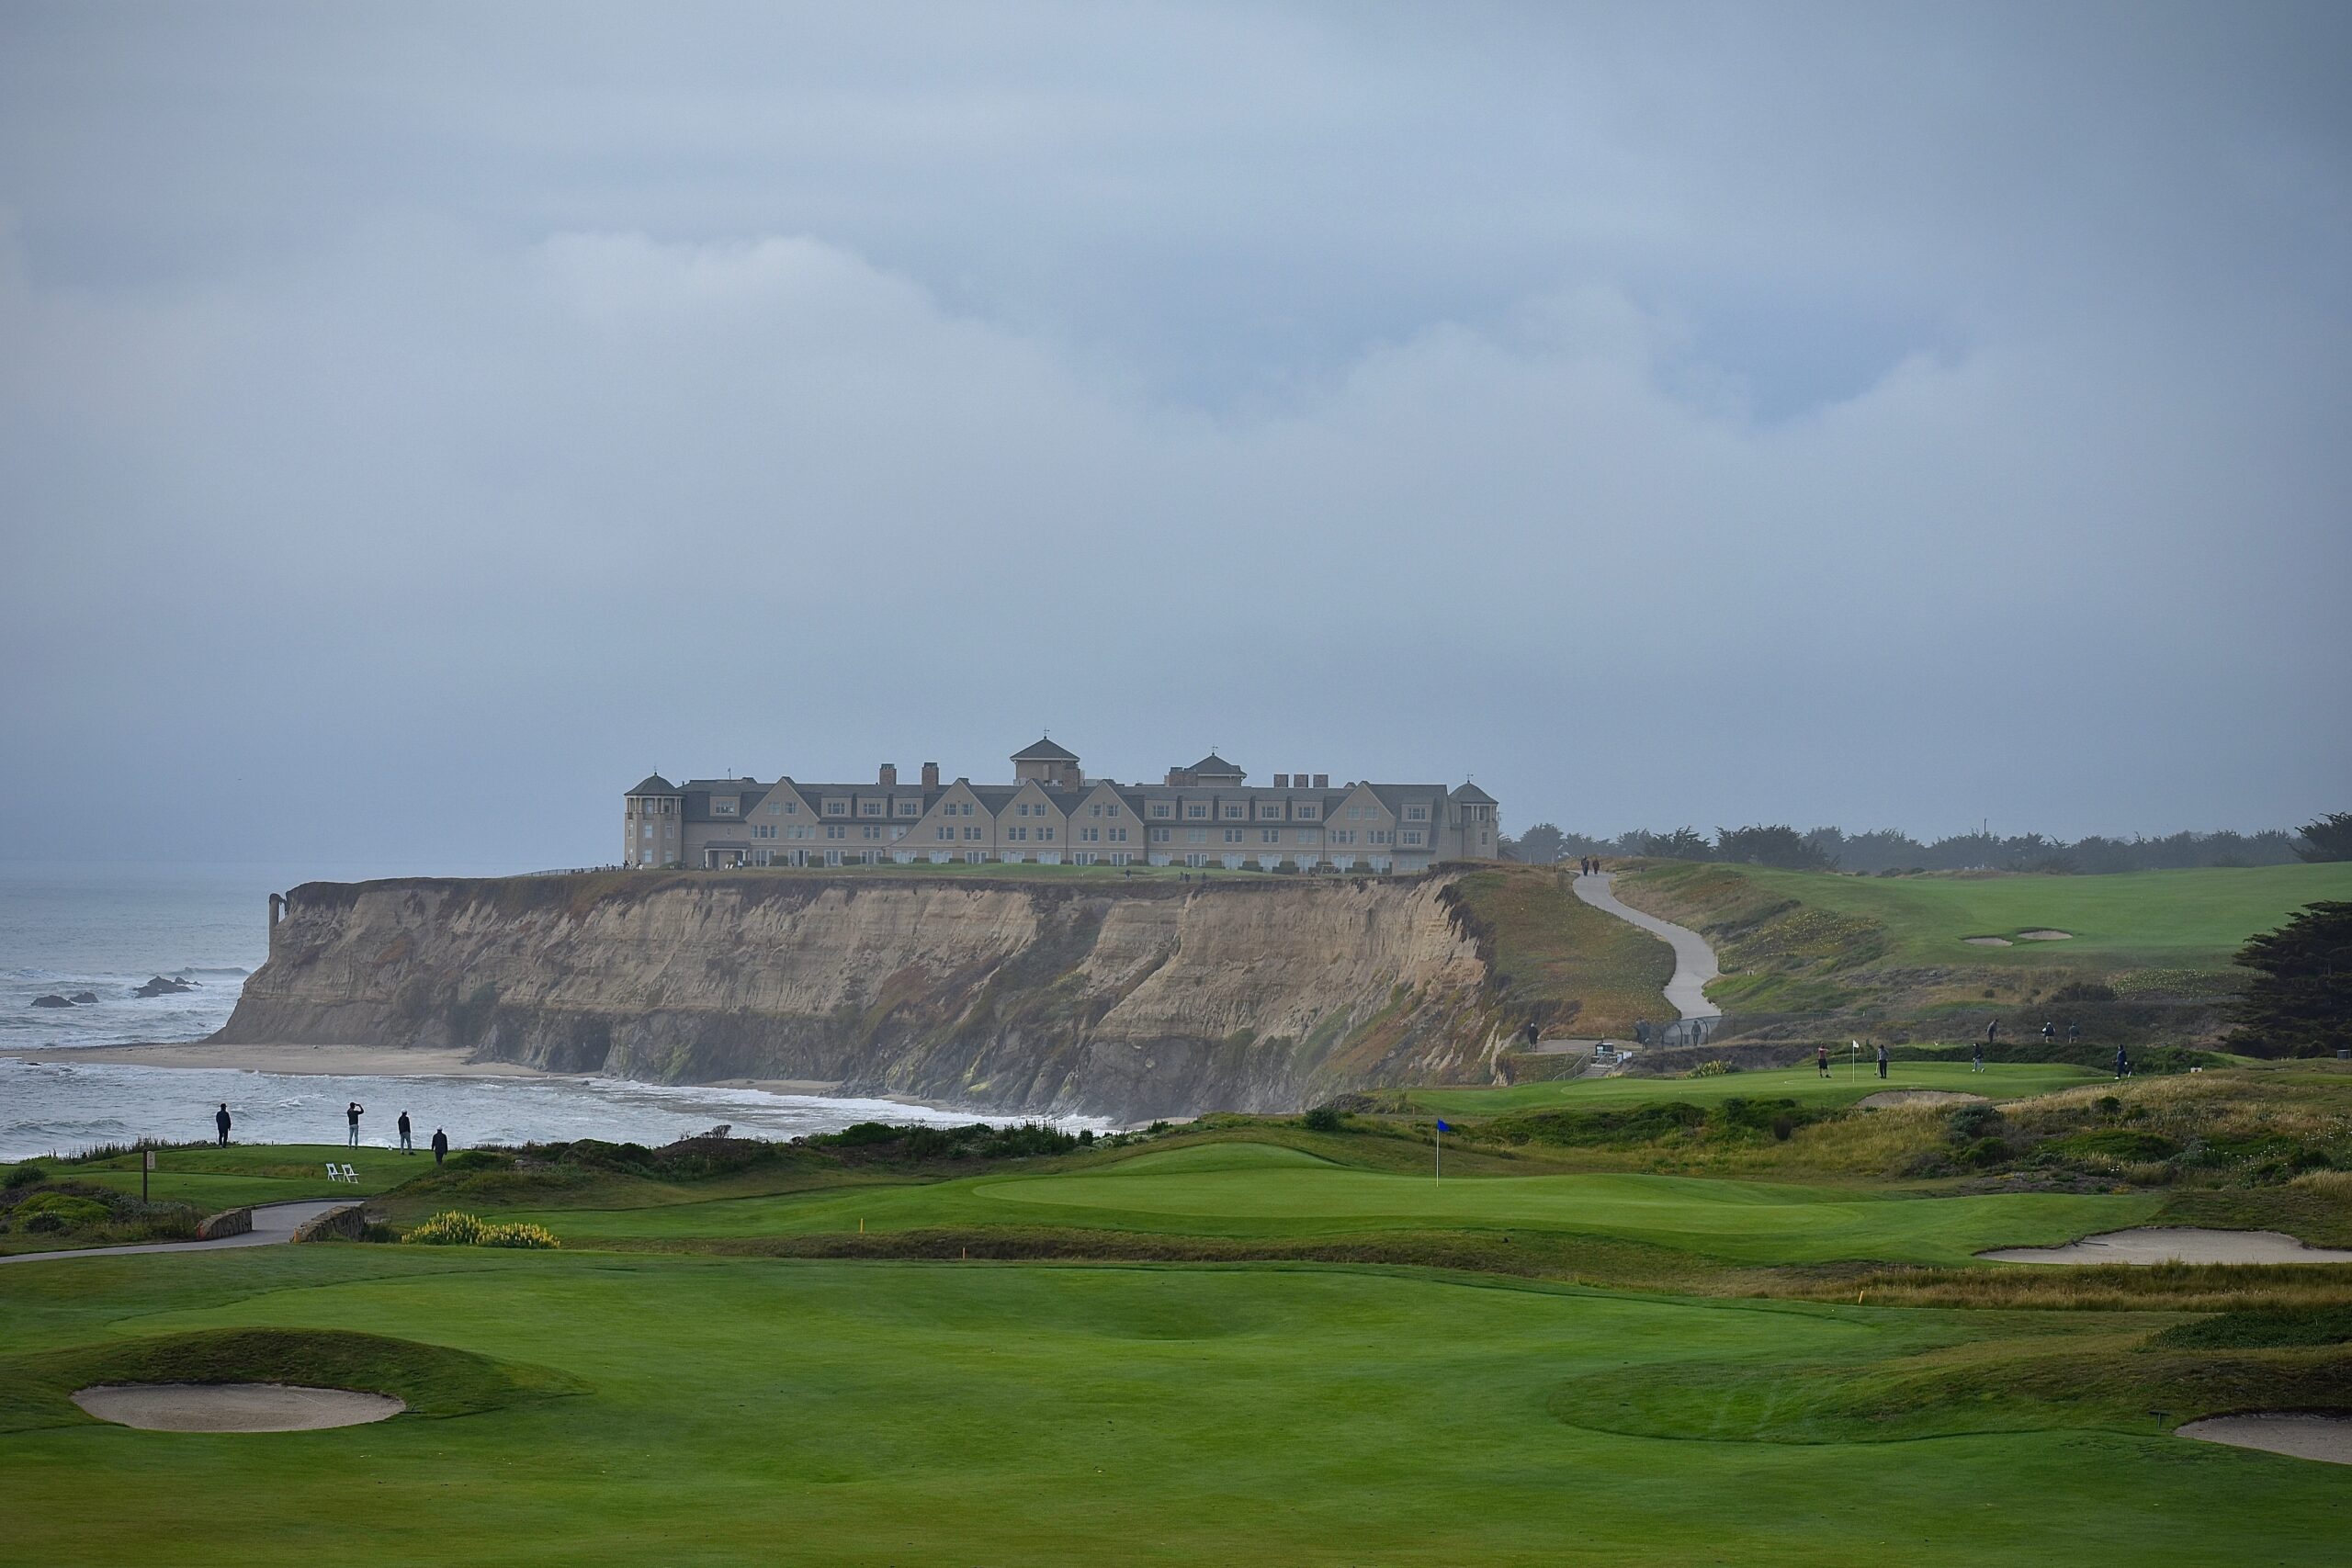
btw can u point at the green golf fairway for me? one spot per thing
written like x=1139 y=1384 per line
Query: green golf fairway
x=754 y=1410
x=1256 y=1189
x=1850 y=1078
x=2160 y=918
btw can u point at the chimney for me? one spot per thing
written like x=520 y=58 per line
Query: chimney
x=1322 y=781
x=1282 y=781
x=890 y=775
x=931 y=775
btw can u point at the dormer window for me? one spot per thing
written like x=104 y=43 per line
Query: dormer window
x=837 y=808
x=725 y=807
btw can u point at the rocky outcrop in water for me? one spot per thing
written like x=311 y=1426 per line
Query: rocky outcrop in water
x=162 y=985
x=1129 y=1000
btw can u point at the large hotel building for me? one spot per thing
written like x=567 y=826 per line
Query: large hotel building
x=1052 y=814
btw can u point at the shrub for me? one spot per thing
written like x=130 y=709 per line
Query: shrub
x=1714 y=1069
x=24 y=1176
x=1970 y=1123
x=456 y=1228
x=2262 y=1328
x=1784 y=1127
x=476 y=1159
x=1983 y=1155
x=451 y=1228
x=1323 y=1119
x=62 y=1210
x=518 y=1235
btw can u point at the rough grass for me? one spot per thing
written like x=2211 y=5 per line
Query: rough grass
x=1570 y=967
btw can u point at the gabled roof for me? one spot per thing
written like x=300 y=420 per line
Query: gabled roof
x=1044 y=751
x=656 y=784
x=1214 y=767
x=1470 y=794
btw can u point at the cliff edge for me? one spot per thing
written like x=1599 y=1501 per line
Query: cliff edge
x=1122 y=999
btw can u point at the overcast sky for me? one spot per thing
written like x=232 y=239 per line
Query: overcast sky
x=418 y=422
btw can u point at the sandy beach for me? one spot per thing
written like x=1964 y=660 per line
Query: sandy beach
x=371 y=1061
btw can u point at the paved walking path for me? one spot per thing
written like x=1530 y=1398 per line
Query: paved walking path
x=272 y=1223
x=1694 y=960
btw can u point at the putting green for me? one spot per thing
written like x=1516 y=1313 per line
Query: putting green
x=754 y=1410
x=1252 y=1189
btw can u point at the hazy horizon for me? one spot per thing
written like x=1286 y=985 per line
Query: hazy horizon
x=416 y=426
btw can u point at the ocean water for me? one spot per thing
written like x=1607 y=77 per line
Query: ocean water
x=106 y=929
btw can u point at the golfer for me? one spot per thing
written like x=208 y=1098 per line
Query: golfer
x=406 y=1148
x=440 y=1145
x=1881 y=1058
x=1821 y=1060
x=351 y=1113
x=2123 y=1063
x=220 y=1120
x=1978 y=1065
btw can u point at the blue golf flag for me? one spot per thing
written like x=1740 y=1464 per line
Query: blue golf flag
x=1443 y=1128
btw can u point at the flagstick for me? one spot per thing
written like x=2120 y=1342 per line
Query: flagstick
x=1441 y=1152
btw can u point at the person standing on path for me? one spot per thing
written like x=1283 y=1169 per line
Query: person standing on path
x=440 y=1145
x=2048 y=1032
x=1991 y=1030
x=406 y=1148
x=351 y=1113
x=1821 y=1061
x=1881 y=1058
x=2123 y=1064
x=2074 y=1032
x=220 y=1120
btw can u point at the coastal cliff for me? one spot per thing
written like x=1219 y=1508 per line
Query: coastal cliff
x=1126 y=1000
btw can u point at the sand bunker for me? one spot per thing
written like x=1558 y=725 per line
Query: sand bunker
x=1887 y=1097
x=232 y=1406
x=2045 y=936
x=2325 y=1437
x=2157 y=1244
x=1986 y=941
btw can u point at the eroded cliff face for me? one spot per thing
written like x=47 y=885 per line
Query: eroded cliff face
x=1134 y=1001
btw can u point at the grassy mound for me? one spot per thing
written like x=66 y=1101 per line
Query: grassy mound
x=431 y=1380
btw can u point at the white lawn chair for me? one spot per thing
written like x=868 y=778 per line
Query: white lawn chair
x=331 y=1175
x=351 y=1175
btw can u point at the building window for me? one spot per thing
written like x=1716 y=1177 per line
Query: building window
x=1416 y=814
x=647 y=831
x=1234 y=813
x=837 y=808
x=722 y=807
x=946 y=831
x=1269 y=835
x=911 y=809
x=1269 y=811
x=972 y=834
x=1160 y=835
x=1194 y=809
x=872 y=808
x=873 y=833
x=1412 y=835
x=1308 y=810
x=835 y=831
x=1196 y=835
x=1162 y=808
x=1233 y=835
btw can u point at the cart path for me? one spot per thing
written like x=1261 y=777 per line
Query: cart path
x=273 y=1222
x=1694 y=960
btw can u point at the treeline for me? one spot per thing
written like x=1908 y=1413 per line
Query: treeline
x=1888 y=852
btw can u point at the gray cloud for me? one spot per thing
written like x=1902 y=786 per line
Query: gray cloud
x=414 y=429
